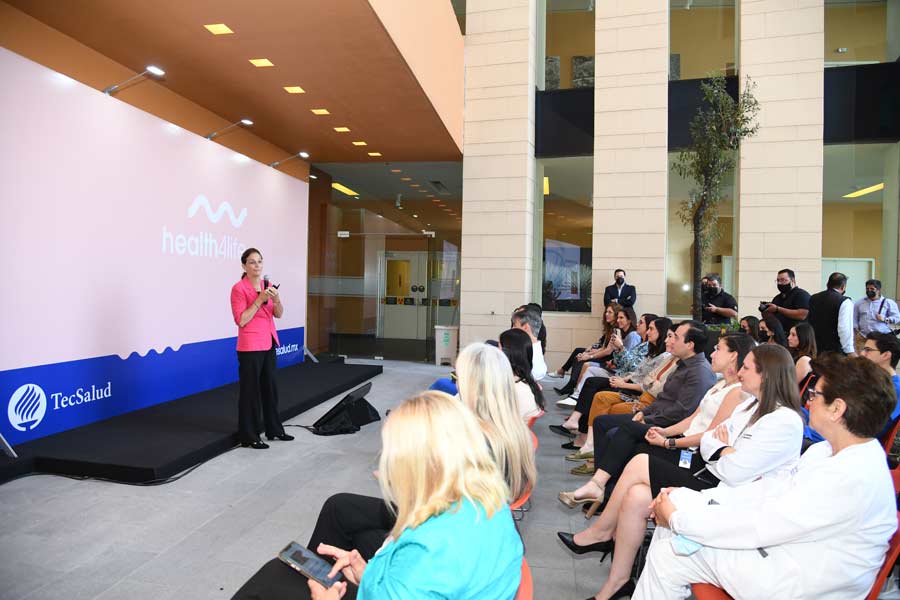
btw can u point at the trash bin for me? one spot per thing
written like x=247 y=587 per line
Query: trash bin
x=446 y=343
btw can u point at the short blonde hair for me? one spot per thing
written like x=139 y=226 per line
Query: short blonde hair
x=434 y=455
x=486 y=386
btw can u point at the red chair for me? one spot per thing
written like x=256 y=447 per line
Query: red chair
x=531 y=420
x=521 y=505
x=706 y=591
x=888 y=440
x=526 y=587
x=534 y=440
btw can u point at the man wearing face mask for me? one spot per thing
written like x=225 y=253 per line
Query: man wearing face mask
x=620 y=291
x=874 y=313
x=791 y=305
x=718 y=305
x=831 y=317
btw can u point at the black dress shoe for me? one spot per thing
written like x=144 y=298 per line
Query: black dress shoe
x=626 y=590
x=283 y=437
x=564 y=391
x=561 y=431
x=569 y=446
x=257 y=445
x=569 y=540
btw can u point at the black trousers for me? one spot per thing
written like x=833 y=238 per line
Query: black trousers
x=624 y=444
x=665 y=472
x=258 y=399
x=591 y=386
x=604 y=431
x=351 y=521
x=571 y=360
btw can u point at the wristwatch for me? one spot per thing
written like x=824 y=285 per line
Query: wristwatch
x=670 y=443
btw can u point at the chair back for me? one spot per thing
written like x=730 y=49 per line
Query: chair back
x=526 y=587
x=888 y=440
x=707 y=591
x=534 y=440
x=532 y=420
x=889 y=559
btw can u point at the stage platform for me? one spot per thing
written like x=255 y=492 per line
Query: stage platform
x=163 y=440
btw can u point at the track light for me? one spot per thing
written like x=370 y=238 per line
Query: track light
x=301 y=154
x=245 y=122
x=150 y=70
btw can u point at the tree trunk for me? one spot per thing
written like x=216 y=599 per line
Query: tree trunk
x=697 y=258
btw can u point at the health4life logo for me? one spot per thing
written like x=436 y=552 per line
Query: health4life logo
x=205 y=244
x=28 y=404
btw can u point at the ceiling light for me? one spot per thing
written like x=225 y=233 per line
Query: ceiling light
x=311 y=176
x=357 y=197
x=343 y=189
x=294 y=89
x=149 y=69
x=342 y=129
x=546 y=186
x=436 y=200
x=319 y=111
x=396 y=171
x=414 y=185
x=261 y=62
x=864 y=191
x=360 y=144
x=415 y=216
x=406 y=179
x=219 y=29
x=246 y=122
x=303 y=154
x=422 y=191
x=374 y=153
x=427 y=224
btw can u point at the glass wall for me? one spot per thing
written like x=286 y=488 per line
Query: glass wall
x=860 y=214
x=569 y=47
x=567 y=225
x=702 y=39
x=861 y=32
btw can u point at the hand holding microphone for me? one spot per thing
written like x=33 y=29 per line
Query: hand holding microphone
x=269 y=291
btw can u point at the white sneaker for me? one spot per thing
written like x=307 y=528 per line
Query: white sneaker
x=570 y=401
x=554 y=375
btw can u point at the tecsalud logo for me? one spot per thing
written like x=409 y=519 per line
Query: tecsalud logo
x=27 y=407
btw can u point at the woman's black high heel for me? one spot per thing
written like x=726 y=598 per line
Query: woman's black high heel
x=622 y=592
x=605 y=547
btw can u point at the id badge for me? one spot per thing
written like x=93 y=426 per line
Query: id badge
x=684 y=461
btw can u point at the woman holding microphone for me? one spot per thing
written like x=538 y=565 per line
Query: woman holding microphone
x=254 y=304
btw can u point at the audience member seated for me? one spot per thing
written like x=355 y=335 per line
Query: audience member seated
x=453 y=534
x=759 y=442
x=802 y=346
x=750 y=326
x=516 y=345
x=486 y=387
x=629 y=349
x=542 y=334
x=598 y=354
x=771 y=331
x=628 y=386
x=529 y=320
x=634 y=438
x=687 y=384
x=883 y=349
x=822 y=535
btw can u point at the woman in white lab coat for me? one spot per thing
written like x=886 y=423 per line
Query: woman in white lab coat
x=760 y=440
x=823 y=535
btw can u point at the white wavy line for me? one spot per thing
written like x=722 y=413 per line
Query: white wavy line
x=216 y=216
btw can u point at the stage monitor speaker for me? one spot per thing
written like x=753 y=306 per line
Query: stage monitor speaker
x=349 y=415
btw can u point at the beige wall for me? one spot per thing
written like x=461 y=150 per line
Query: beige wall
x=780 y=177
x=852 y=231
x=498 y=165
x=428 y=37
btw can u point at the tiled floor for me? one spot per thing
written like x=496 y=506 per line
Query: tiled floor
x=202 y=536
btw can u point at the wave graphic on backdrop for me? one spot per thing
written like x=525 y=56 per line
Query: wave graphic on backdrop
x=216 y=216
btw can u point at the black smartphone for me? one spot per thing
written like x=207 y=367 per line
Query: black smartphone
x=308 y=563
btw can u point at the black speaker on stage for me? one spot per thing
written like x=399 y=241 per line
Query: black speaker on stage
x=349 y=415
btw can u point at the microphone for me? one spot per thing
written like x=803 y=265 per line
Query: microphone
x=265 y=286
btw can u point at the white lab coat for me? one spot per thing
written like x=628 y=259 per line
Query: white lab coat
x=825 y=533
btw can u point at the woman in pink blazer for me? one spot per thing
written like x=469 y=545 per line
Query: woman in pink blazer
x=254 y=304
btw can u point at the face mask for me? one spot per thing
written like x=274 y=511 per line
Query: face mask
x=620 y=280
x=870 y=293
x=784 y=288
x=763 y=336
x=713 y=290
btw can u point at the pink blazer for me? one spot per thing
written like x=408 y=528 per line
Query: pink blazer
x=257 y=334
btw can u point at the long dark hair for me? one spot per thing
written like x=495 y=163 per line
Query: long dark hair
x=806 y=341
x=647 y=318
x=246 y=255
x=663 y=325
x=516 y=345
x=629 y=314
x=779 y=380
x=606 y=329
x=776 y=331
x=753 y=326
x=739 y=342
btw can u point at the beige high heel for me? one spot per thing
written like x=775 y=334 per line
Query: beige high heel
x=592 y=509
x=569 y=499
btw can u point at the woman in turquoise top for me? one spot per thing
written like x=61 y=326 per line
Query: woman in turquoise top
x=454 y=537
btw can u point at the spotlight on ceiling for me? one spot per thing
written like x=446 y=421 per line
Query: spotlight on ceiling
x=301 y=154
x=245 y=122
x=149 y=70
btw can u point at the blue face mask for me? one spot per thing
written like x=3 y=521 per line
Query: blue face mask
x=683 y=546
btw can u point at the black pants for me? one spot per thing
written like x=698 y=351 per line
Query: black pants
x=351 y=521
x=572 y=360
x=604 y=427
x=591 y=386
x=665 y=472
x=624 y=443
x=258 y=388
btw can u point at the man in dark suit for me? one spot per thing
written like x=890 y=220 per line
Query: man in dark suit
x=620 y=291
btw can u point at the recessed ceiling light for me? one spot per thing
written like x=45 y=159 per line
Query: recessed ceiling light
x=357 y=197
x=415 y=216
x=864 y=191
x=360 y=143
x=436 y=200
x=414 y=185
x=261 y=62
x=294 y=89
x=427 y=224
x=311 y=176
x=396 y=171
x=422 y=191
x=374 y=153
x=342 y=129
x=319 y=111
x=406 y=179
x=219 y=29
x=343 y=189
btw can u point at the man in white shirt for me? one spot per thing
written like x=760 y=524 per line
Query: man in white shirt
x=874 y=313
x=529 y=320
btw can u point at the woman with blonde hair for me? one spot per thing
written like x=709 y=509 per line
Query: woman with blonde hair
x=453 y=535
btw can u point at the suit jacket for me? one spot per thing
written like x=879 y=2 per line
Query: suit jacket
x=257 y=334
x=627 y=298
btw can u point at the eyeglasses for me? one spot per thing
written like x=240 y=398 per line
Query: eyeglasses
x=866 y=350
x=254 y=263
x=814 y=393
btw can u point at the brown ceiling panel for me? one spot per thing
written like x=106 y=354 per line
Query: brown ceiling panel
x=336 y=50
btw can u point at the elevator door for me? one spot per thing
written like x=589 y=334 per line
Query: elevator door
x=404 y=295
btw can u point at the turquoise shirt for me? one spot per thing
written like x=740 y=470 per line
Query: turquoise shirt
x=457 y=555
